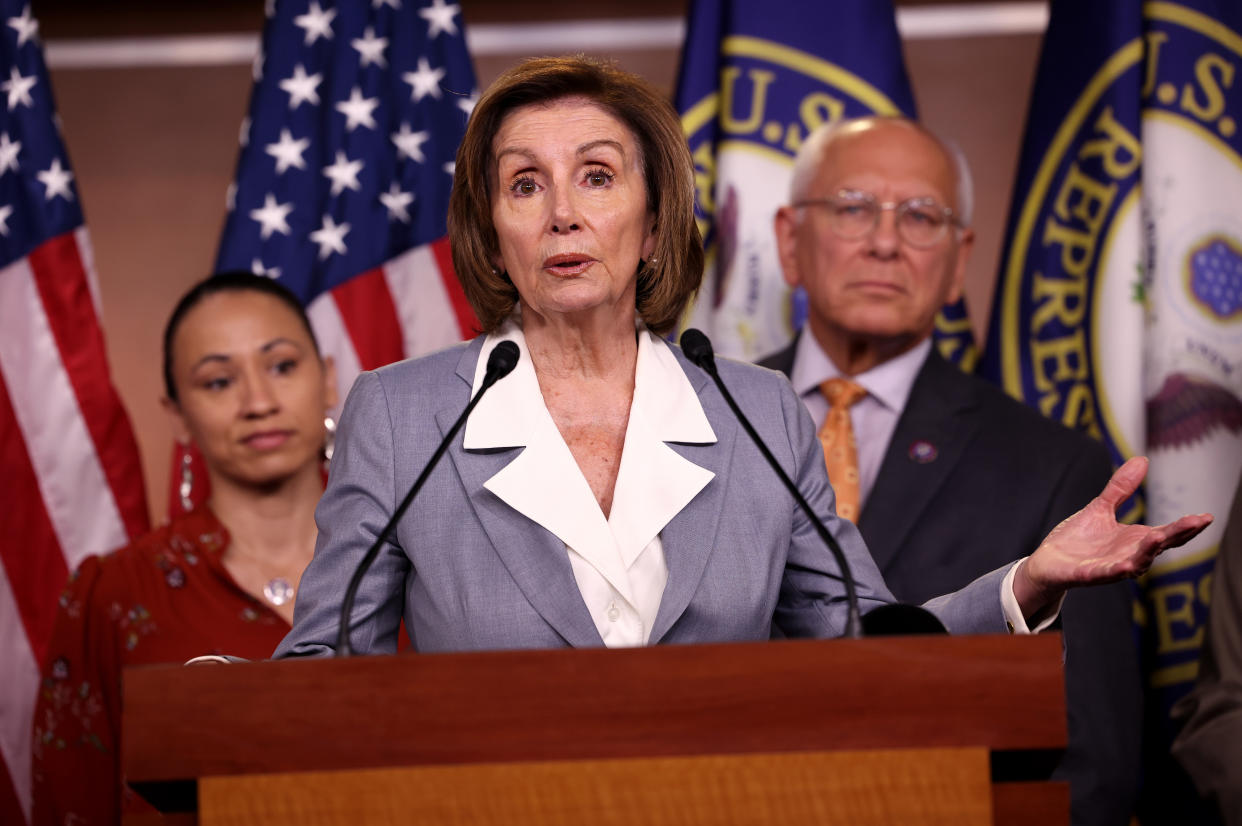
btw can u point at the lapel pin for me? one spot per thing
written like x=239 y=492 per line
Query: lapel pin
x=922 y=451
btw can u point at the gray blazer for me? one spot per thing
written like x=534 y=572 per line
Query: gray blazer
x=468 y=572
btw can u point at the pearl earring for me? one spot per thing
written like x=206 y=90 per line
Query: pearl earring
x=186 y=488
x=329 y=439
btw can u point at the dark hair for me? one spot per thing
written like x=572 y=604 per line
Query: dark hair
x=226 y=282
x=669 y=279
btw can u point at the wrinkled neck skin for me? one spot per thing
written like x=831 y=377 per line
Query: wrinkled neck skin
x=596 y=344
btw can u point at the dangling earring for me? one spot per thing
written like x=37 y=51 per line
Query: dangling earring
x=186 y=488
x=329 y=440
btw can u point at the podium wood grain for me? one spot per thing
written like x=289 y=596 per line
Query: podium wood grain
x=870 y=788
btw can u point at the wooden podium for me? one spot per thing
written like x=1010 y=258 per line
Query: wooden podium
x=893 y=730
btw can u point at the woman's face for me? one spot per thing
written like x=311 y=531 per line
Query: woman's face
x=569 y=205
x=252 y=390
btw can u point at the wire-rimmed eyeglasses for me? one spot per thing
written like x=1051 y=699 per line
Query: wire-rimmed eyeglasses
x=921 y=222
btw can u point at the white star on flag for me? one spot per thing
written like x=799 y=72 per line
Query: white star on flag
x=5 y=212
x=439 y=18
x=396 y=4
x=56 y=178
x=344 y=173
x=371 y=48
x=8 y=153
x=272 y=216
x=396 y=201
x=256 y=68
x=302 y=88
x=19 y=87
x=450 y=168
x=230 y=196
x=357 y=110
x=243 y=134
x=330 y=237
x=316 y=22
x=27 y=27
x=256 y=267
x=467 y=104
x=409 y=144
x=425 y=81
x=288 y=152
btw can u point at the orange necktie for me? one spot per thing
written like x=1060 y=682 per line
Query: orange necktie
x=840 y=450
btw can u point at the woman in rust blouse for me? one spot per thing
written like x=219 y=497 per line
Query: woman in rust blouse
x=246 y=384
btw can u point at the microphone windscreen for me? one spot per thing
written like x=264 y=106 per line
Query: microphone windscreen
x=697 y=348
x=503 y=359
x=899 y=619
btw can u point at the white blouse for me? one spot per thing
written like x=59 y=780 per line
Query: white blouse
x=618 y=562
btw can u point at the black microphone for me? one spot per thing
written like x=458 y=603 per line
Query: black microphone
x=898 y=619
x=499 y=364
x=699 y=350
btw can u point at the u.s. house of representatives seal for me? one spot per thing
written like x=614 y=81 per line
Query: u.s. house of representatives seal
x=1122 y=296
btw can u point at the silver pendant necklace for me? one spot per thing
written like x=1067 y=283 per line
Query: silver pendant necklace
x=278 y=591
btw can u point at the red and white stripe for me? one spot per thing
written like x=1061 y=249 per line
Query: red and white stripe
x=410 y=306
x=72 y=477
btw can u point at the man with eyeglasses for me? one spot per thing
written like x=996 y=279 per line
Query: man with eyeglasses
x=945 y=476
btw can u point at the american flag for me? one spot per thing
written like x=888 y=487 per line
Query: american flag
x=346 y=165
x=72 y=478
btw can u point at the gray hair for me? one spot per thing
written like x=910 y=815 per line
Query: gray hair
x=812 y=151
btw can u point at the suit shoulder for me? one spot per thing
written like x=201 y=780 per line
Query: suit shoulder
x=433 y=370
x=782 y=360
x=744 y=374
x=423 y=368
x=1028 y=426
x=417 y=386
x=749 y=377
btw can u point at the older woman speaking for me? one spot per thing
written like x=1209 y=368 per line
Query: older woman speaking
x=603 y=493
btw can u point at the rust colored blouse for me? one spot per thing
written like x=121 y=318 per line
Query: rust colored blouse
x=164 y=599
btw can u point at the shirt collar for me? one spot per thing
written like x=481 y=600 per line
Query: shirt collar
x=505 y=417
x=889 y=383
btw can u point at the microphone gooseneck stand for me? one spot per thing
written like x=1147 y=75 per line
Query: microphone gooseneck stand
x=699 y=350
x=499 y=364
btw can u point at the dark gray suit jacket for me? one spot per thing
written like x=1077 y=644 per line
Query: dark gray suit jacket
x=1003 y=476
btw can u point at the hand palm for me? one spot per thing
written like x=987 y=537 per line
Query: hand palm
x=1091 y=547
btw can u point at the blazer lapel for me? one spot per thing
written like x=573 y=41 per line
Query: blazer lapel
x=534 y=557
x=690 y=537
x=931 y=435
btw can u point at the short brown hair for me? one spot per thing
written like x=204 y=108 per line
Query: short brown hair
x=669 y=279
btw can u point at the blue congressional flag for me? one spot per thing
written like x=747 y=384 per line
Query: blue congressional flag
x=345 y=171
x=755 y=79
x=1119 y=305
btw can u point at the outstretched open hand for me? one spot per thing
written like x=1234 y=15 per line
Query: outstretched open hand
x=1092 y=548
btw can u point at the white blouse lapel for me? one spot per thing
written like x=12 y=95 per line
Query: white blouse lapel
x=654 y=483
x=543 y=482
